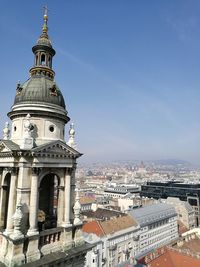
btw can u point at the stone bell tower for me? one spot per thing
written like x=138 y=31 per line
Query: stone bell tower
x=37 y=173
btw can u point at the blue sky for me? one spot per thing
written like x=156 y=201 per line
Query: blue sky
x=128 y=69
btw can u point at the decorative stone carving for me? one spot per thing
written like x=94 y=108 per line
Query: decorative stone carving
x=36 y=170
x=27 y=141
x=17 y=222
x=6 y=131
x=27 y=127
x=53 y=90
x=77 y=209
x=71 y=141
x=19 y=88
x=14 y=170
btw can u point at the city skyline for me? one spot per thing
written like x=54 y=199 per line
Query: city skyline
x=129 y=73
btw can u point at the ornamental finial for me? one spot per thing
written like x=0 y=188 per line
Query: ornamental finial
x=6 y=131
x=45 y=17
x=77 y=208
x=71 y=141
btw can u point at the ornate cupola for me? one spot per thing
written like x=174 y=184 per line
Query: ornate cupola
x=43 y=53
x=40 y=97
x=40 y=221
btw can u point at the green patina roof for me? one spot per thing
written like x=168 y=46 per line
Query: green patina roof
x=39 y=89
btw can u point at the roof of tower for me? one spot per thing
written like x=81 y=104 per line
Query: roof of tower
x=44 y=38
x=39 y=89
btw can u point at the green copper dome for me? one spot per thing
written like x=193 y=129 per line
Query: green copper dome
x=39 y=89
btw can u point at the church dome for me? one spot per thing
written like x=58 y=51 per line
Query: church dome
x=39 y=89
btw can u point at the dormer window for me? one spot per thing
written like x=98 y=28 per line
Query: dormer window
x=19 y=89
x=53 y=90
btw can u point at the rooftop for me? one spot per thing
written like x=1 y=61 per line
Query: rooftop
x=86 y=200
x=152 y=213
x=172 y=258
x=103 y=228
x=102 y=214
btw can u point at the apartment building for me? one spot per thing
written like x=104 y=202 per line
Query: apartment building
x=158 y=226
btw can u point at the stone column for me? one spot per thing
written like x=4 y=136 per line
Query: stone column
x=61 y=203
x=2 y=175
x=33 y=211
x=72 y=192
x=67 y=198
x=11 y=201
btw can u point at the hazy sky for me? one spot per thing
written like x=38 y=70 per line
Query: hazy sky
x=129 y=71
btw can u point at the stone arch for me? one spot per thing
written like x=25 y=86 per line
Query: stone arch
x=43 y=59
x=48 y=200
x=5 y=191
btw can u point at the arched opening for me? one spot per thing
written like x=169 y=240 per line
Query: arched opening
x=43 y=61
x=5 y=199
x=36 y=60
x=48 y=202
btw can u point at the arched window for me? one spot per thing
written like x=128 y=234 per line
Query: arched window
x=36 y=60
x=5 y=191
x=43 y=59
x=48 y=201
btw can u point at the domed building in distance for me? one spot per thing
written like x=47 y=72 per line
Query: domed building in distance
x=39 y=214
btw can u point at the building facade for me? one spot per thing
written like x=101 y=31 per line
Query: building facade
x=121 y=191
x=121 y=241
x=158 y=226
x=39 y=217
x=185 y=192
x=116 y=241
x=185 y=212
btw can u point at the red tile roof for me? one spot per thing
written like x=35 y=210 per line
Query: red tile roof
x=101 y=228
x=93 y=227
x=192 y=245
x=173 y=258
x=86 y=200
x=117 y=224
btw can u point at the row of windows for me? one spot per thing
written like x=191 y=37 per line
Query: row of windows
x=158 y=224
x=51 y=128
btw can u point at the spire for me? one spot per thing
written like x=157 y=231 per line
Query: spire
x=43 y=51
x=44 y=38
x=45 y=17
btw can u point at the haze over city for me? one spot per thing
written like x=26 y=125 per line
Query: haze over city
x=128 y=70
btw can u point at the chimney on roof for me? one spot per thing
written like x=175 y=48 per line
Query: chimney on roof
x=180 y=243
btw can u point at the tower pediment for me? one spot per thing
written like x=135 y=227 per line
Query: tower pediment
x=57 y=149
x=7 y=146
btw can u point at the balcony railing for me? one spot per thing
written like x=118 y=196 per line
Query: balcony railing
x=49 y=236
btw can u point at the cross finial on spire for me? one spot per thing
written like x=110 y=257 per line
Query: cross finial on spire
x=45 y=17
x=46 y=12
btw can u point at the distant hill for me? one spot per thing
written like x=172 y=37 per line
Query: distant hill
x=171 y=162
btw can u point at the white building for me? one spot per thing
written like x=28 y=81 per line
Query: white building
x=185 y=212
x=116 y=241
x=158 y=226
x=122 y=190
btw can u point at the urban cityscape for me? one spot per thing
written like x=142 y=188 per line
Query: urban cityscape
x=117 y=182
